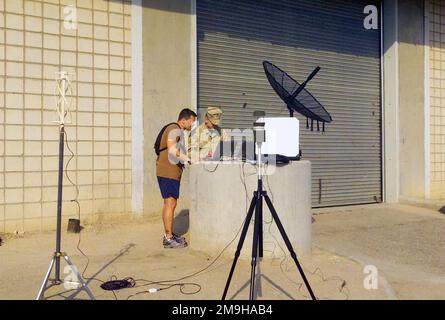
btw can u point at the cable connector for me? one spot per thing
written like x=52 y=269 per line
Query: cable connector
x=153 y=290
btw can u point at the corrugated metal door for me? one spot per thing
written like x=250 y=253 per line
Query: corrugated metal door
x=234 y=37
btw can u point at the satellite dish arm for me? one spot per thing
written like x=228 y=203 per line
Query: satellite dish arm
x=303 y=85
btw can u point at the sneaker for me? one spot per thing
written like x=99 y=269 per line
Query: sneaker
x=173 y=243
x=179 y=239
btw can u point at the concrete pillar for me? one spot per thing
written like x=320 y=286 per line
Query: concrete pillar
x=168 y=74
x=390 y=102
x=411 y=98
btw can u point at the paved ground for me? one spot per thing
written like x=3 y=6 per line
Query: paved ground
x=406 y=244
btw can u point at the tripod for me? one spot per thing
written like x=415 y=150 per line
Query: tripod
x=62 y=110
x=256 y=205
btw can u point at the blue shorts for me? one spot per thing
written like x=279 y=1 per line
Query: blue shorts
x=169 y=187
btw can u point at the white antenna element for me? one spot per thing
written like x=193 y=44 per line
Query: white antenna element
x=63 y=96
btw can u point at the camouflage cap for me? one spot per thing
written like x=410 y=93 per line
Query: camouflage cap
x=214 y=115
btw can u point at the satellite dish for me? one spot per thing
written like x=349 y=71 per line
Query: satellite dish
x=295 y=96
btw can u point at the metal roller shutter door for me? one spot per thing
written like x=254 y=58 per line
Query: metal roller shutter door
x=234 y=37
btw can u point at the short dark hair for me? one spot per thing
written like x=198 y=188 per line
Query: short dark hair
x=186 y=114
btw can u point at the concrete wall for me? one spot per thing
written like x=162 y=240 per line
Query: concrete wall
x=390 y=130
x=34 y=44
x=167 y=64
x=411 y=98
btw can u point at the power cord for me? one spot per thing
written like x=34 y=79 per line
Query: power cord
x=115 y=284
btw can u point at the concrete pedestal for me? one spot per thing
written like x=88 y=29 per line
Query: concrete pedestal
x=220 y=195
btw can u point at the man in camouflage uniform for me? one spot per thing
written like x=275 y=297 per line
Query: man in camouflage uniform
x=205 y=141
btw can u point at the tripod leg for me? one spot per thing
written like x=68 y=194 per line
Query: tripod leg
x=79 y=277
x=260 y=234
x=256 y=239
x=45 y=280
x=240 y=244
x=289 y=245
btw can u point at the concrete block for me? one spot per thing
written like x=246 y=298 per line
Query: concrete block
x=101 y=61
x=14 y=148
x=84 y=148
x=85 y=4
x=117 y=191
x=116 y=34
x=33 y=195
x=85 y=89
x=14 y=21
x=100 y=163
x=100 y=148
x=116 y=148
x=101 y=47
x=14 y=179
x=51 y=11
x=14 y=196
x=101 y=134
x=14 y=100
x=15 y=6
x=14 y=85
x=101 y=90
x=33 y=70
x=219 y=204
x=117 y=162
x=14 y=69
x=50 y=41
x=33 y=86
x=14 y=53
x=84 y=15
x=117 y=63
x=116 y=7
x=100 y=5
x=68 y=58
x=101 y=17
x=33 y=8
x=33 y=179
x=116 y=92
x=116 y=120
x=85 y=133
x=49 y=210
x=116 y=105
x=100 y=32
x=33 y=148
x=85 y=60
x=116 y=77
x=85 y=29
x=116 y=176
x=85 y=45
x=116 y=48
x=101 y=104
x=14 y=116
x=52 y=27
x=116 y=20
x=33 y=164
x=101 y=76
x=51 y=56
x=13 y=132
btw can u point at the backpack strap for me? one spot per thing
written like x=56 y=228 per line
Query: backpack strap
x=165 y=128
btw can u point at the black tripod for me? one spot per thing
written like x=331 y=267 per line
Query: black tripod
x=257 y=247
x=55 y=260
